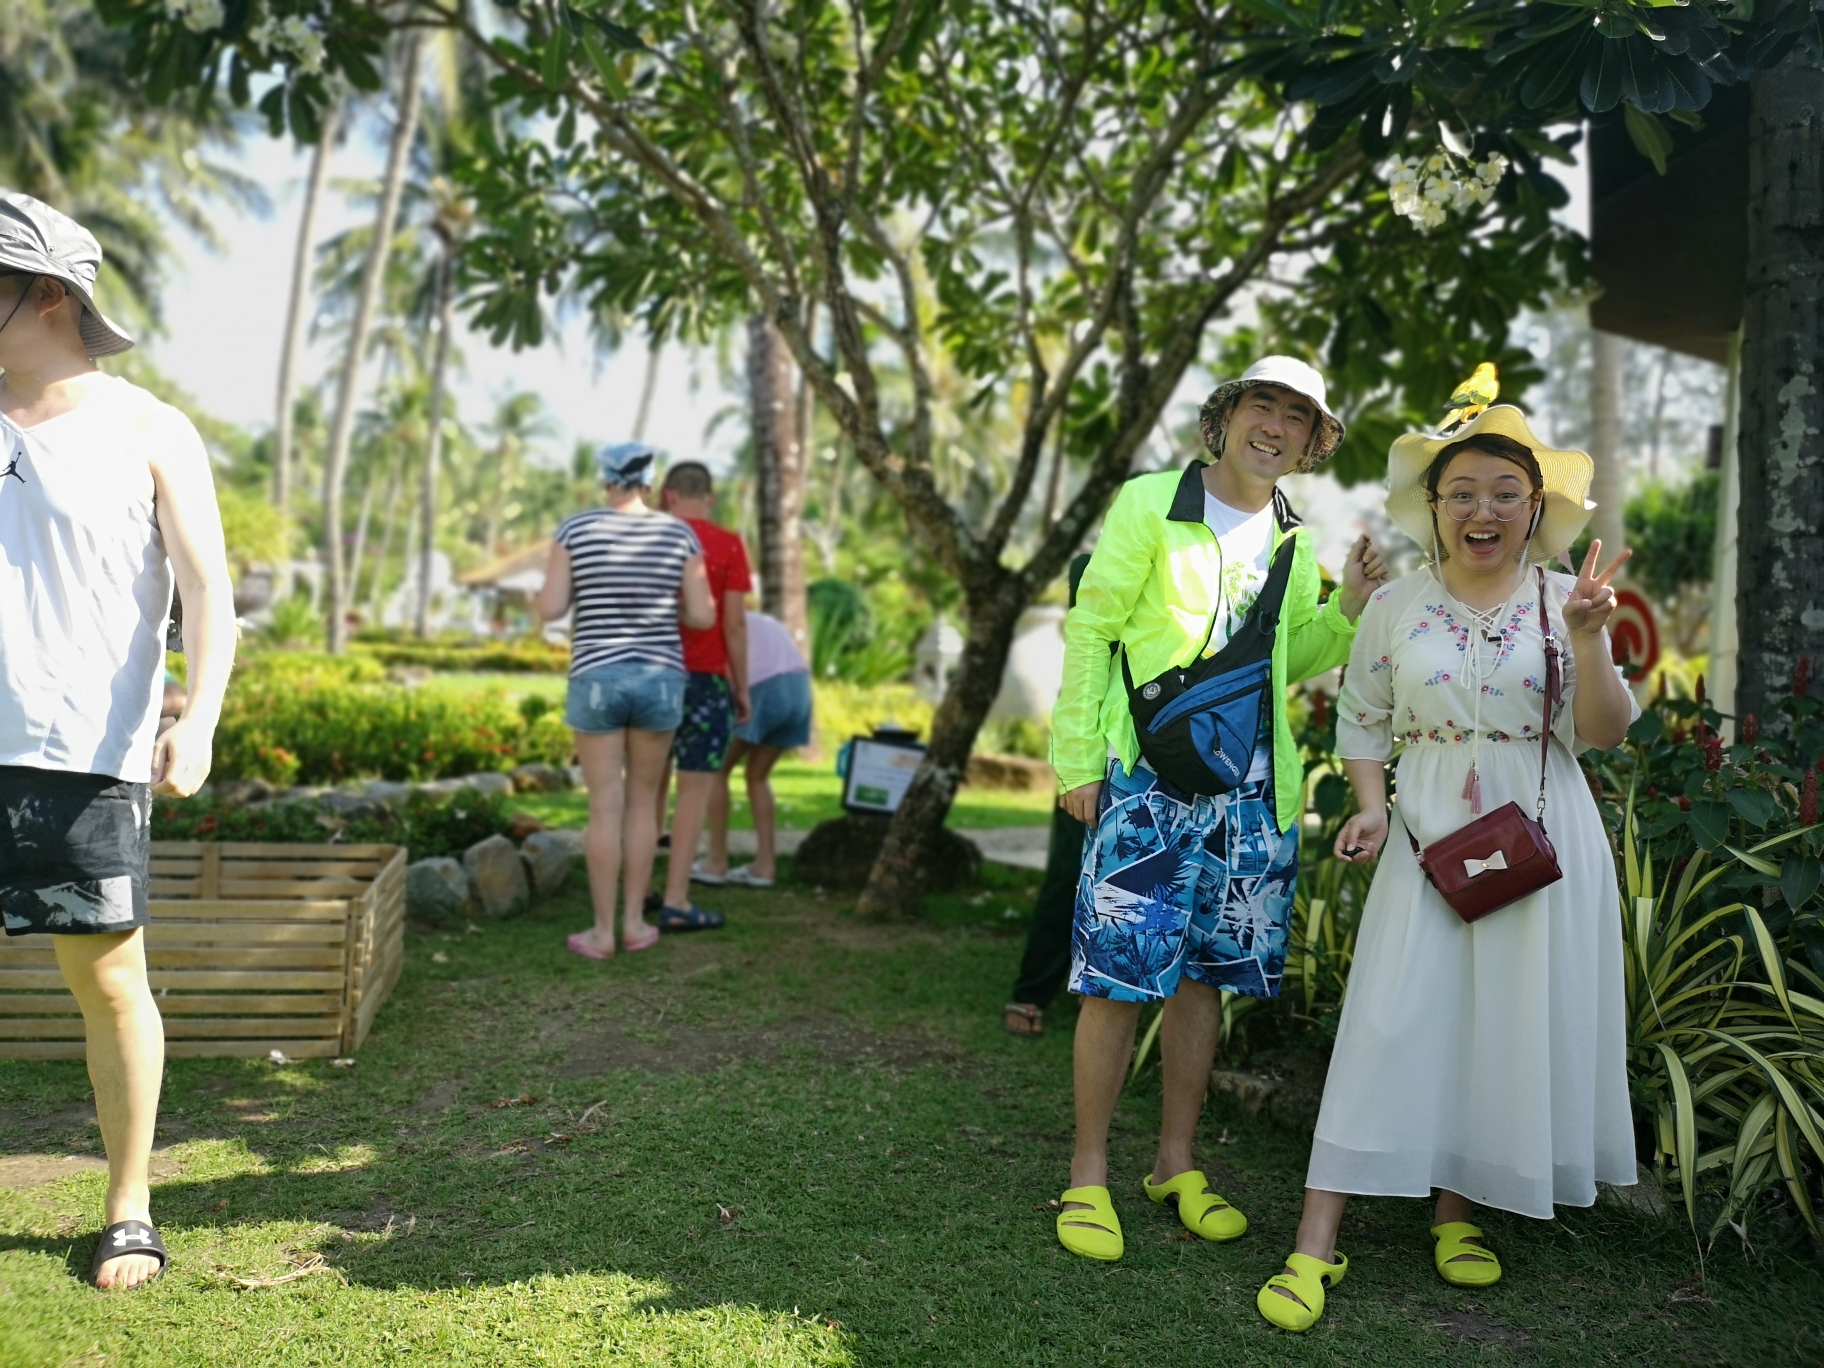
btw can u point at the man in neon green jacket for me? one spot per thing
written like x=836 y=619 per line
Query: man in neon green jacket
x=1184 y=895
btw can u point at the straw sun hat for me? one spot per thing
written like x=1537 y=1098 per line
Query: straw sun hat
x=1567 y=481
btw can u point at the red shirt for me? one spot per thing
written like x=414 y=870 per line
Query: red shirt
x=725 y=559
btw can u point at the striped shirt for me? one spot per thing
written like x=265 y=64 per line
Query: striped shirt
x=625 y=570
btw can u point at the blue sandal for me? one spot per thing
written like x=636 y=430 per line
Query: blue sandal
x=692 y=918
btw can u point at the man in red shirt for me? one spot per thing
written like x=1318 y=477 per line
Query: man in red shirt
x=715 y=695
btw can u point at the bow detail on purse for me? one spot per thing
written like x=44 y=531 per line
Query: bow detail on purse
x=1475 y=867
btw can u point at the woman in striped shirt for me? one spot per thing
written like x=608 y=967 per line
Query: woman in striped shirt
x=631 y=575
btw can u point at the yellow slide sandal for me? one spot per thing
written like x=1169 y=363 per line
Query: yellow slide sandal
x=1301 y=1303
x=1460 y=1263
x=1096 y=1233
x=1203 y=1212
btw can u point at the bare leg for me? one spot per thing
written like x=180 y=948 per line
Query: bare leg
x=663 y=794
x=648 y=754
x=765 y=811
x=603 y=755
x=1104 y=1045
x=1317 y=1230
x=1187 y=1048
x=126 y=1048
x=717 y=859
x=694 y=789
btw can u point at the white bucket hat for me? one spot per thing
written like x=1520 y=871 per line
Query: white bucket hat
x=37 y=240
x=1284 y=372
x=1567 y=482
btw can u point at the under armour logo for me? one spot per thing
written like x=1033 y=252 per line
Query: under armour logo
x=138 y=1235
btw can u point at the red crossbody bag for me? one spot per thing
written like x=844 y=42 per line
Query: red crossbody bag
x=1503 y=855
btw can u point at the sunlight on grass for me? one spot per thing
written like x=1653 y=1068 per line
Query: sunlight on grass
x=593 y=1317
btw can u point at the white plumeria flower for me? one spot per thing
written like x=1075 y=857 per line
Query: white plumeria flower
x=1493 y=169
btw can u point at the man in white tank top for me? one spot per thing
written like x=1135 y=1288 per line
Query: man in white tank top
x=106 y=500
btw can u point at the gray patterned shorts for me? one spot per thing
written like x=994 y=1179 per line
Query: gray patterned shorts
x=75 y=852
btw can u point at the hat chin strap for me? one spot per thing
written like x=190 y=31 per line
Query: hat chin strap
x=24 y=295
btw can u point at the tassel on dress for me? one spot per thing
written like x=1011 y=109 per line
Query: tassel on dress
x=1472 y=790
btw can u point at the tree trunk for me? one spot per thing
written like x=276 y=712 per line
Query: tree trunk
x=359 y=552
x=285 y=423
x=433 y=439
x=1609 y=483
x=347 y=392
x=649 y=383
x=897 y=882
x=778 y=478
x=1780 y=589
x=389 y=528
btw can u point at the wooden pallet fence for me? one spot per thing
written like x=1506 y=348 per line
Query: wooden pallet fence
x=253 y=947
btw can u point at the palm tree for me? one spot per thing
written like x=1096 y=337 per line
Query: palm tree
x=405 y=130
x=284 y=428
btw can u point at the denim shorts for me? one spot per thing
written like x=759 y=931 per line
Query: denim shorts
x=627 y=693
x=781 y=712
x=1179 y=885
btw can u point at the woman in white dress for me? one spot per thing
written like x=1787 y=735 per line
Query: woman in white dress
x=1484 y=1061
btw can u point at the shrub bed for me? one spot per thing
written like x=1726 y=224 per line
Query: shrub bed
x=301 y=718
x=524 y=655
x=424 y=825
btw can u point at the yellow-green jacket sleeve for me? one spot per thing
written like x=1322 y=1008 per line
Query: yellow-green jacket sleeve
x=1321 y=642
x=1117 y=574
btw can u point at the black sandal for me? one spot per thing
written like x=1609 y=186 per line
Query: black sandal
x=1033 y=1016
x=129 y=1237
x=692 y=918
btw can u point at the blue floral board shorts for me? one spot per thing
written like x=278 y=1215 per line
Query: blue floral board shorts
x=708 y=725
x=626 y=693
x=1177 y=884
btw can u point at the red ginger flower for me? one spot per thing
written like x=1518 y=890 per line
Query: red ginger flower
x=1808 y=800
x=1801 y=676
x=1751 y=729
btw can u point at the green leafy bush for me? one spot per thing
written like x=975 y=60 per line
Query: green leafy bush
x=300 y=718
x=424 y=825
x=523 y=655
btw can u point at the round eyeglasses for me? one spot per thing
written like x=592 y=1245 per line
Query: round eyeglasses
x=1505 y=506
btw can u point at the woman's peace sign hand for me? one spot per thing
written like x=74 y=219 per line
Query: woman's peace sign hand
x=1591 y=600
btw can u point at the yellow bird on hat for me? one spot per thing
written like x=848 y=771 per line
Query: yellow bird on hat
x=1472 y=396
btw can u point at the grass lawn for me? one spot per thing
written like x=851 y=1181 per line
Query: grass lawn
x=800 y=1141
x=808 y=792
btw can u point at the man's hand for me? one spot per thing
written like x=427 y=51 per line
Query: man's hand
x=1362 y=836
x=180 y=759
x=1591 y=600
x=1081 y=802
x=1363 y=573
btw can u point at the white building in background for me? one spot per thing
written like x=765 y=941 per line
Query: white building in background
x=1035 y=666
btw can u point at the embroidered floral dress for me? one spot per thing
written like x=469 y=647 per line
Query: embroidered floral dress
x=1488 y=1059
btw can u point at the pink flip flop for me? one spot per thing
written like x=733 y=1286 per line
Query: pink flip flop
x=579 y=946
x=634 y=947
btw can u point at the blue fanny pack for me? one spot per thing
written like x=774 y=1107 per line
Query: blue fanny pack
x=1198 y=723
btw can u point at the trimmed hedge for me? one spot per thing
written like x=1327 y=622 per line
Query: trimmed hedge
x=316 y=719
x=425 y=826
